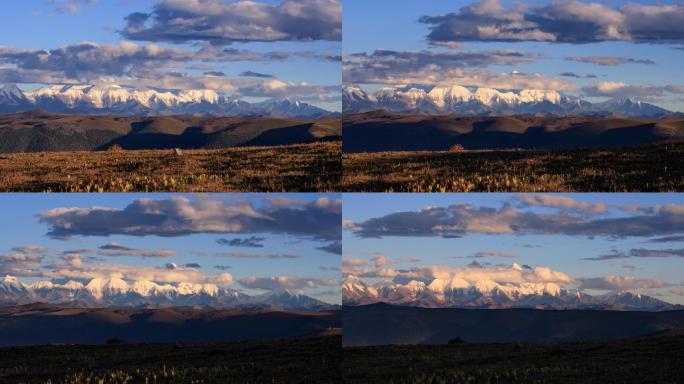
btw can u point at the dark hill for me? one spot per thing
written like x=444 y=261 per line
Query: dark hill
x=40 y=131
x=378 y=324
x=386 y=131
x=44 y=324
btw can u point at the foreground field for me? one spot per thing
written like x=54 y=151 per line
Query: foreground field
x=658 y=359
x=313 y=360
x=300 y=167
x=639 y=169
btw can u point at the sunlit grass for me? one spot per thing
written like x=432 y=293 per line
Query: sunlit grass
x=305 y=167
x=651 y=168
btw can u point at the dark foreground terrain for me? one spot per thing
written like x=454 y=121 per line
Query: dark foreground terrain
x=297 y=167
x=651 y=168
x=657 y=358
x=378 y=324
x=37 y=324
x=303 y=360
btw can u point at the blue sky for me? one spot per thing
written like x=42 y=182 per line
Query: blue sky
x=100 y=22
x=399 y=30
x=555 y=249
x=21 y=226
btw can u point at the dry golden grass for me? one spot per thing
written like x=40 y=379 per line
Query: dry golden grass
x=643 y=169
x=301 y=167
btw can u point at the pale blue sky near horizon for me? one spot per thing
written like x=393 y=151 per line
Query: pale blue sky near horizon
x=35 y=25
x=20 y=226
x=399 y=29
x=559 y=252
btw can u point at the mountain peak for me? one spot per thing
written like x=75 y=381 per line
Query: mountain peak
x=472 y=101
x=121 y=100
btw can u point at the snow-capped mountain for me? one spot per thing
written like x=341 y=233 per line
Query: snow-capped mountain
x=459 y=100
x=116 y=292
x=457 y=293
x=114 y=99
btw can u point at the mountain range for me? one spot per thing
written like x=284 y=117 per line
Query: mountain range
x=453 y=294
x=115 y=292
x=118 y=100
x=382 y=323
x=473 y=101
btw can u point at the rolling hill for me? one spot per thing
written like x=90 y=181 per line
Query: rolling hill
x=45 y=324
x=381 y=323
x=40 y=131
x=382 y=130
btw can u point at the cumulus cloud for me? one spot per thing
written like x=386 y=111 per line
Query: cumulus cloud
x=250 y=242
x=89 y=61
x=609 y=60
x=353 y=262
x=150 y=67
x=20 y=264
x=73 y=266
x=335 y=248
x=619 y=283
x=30 y=249
x=560 y=21
x=639 y=252
x=281 y=283
x=222 y=23
x=461 y=219
x=177 y=216
x=443 y=68
x=474 y=274
x=560 y=202
x=622 y=90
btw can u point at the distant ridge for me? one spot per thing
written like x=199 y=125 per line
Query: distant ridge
x=146 y=294
x=444 y=294
x=457 y=100
x=118 y=100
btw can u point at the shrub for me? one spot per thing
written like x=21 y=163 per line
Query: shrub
x=115 y=148
x=114 y=340
x=456 y=148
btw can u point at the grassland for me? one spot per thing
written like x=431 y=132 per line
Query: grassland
x=656 y=168
x=299 y=167
x=642 y=360
x=312 y=360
